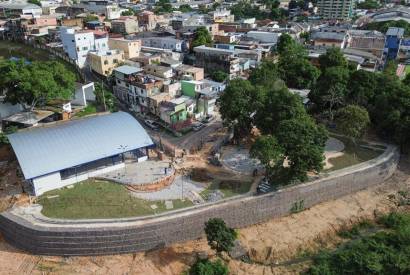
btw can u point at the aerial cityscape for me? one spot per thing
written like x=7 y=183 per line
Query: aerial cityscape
x=206 y=137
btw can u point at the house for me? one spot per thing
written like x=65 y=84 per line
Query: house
x=264 y=36
x=77 y=43
x=13 y=9
x=72 y=151
x=222 y=15
x=134 y=88
x=393 y=41
x=146 y=20
x=169 y=43
x=173 y=112
x=367 y=40
x=187 y=71
x=131 y=48
x=124 y=25
x=329 y=39
x=159 y=71
x=104 y=62
x=213 y=59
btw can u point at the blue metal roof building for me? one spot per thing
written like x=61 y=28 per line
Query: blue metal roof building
x=44 y=152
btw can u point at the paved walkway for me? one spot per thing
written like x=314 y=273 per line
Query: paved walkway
x=140 y=172
x=182 y=187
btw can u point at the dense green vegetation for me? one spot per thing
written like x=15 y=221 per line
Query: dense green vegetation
x=385 y=98
x=163 y=6
x=245 y=9
x=202 y=37
x=207 y=267
x=128 y=12
x=34 y=84
x=384 y=252
x=369 y=5
x=99 y=199
x=220 y=237
x=384 y=26
x=219 y=76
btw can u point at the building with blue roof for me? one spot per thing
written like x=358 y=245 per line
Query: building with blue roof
x=52 y=157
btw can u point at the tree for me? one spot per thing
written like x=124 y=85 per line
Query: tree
x=219 y=76
x=277 y=105
x=185 y=8
x=163 y=6
x=128 y=12
x=206 y=267
x=34 y=84
x=332 y=58
x=352 y=121
x=219 y=236
x=360 y=90
x=303 y=142
x=269 y=152
x=35 y=2
x=329 y=92
x=265 y=74
x=202 y=37
x=285 y=42
x=237 y=106
x=105 y=98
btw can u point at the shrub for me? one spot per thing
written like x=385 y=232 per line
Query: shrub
x=206 y=267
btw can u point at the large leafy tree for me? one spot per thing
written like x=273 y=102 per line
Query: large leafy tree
x=352 y=121
x=34 y=84
x=202 y=37
x=220 y=237
x=265 y=74
x=303 y=142
x=361 y=87
x=278 y=104
x=329 y=93
x=270 y=153
x=237 y=106
x=332 y=58
x=294 y=67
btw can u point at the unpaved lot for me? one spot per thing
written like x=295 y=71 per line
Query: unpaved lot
x=268 y=243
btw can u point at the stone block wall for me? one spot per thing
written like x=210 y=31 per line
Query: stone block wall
x=141 y=234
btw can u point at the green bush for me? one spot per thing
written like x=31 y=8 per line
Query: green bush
x=206 y=267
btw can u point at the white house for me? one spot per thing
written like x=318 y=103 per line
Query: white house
x=77 y=43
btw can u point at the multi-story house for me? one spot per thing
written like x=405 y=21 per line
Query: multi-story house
x=124 y=25
x=131 y=48
x=77 y=43
x=159 y=71
x=104 y=62
x=213 y=59
x=169 y=43
x=146 y=20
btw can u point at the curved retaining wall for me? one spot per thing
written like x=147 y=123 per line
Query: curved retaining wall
x=141 y=234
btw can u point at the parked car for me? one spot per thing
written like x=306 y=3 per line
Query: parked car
x=208 y=119
x=197 y=126
x=151 y=124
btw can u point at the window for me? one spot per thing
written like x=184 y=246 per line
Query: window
x=106 y=62
x=85 y=48
x=115 y=61
x=118 y=81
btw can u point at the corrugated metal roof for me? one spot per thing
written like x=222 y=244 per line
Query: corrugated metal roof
x=44 y=150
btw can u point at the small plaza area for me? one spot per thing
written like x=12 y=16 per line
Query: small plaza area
x=140 y=173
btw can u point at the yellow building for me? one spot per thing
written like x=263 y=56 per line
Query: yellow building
x=131 y=48
x=104 y=63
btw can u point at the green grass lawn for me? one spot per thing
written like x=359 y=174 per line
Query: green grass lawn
x=228 y=187
x=407 y=69
x=99 y=199
x=354 y=154
x=88 y=110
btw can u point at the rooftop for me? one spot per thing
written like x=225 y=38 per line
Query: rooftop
x=44 y=150
x=125 y=69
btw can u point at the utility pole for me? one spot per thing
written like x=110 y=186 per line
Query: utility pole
x=103 y=95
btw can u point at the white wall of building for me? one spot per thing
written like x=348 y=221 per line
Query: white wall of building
x=53 y=181
x=78 y=44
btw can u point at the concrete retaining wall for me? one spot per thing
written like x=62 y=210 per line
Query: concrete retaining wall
x=132 y=235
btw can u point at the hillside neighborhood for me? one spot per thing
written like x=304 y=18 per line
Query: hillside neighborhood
x=206 y=137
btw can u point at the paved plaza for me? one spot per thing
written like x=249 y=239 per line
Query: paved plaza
x=140 y=172
x=238 y=159
x=182 y=187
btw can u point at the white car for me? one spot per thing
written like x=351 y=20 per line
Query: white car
x=151 y=124
x=197 y=126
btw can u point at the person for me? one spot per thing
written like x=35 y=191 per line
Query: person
x=255 y=172
x=165 y=170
